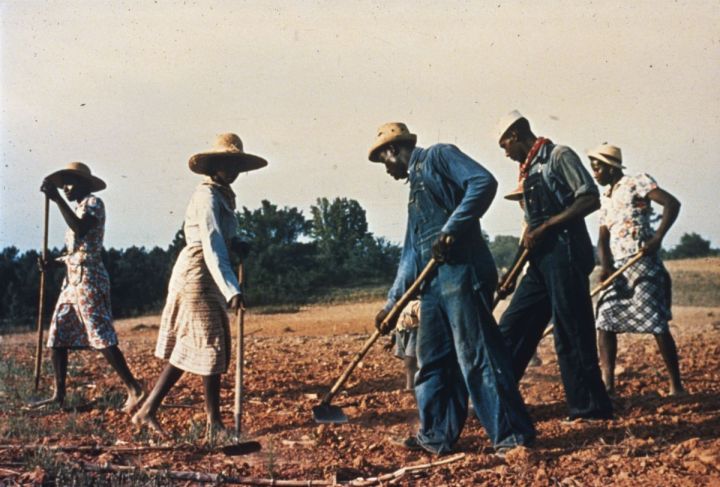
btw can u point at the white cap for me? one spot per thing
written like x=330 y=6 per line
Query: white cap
x=506 y=122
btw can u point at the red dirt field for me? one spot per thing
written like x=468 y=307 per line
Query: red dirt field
x=291 y=359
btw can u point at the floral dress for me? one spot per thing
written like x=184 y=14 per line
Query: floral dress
x=83 y=317
x=639 y=300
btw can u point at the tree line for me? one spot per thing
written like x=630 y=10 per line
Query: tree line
x=293 y=260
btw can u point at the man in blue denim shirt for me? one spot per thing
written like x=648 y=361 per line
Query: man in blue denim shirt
x=558 y=193
x=460 y=350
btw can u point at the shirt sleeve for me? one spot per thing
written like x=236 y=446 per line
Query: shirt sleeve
x=407 y=271
x=92 y=206
x=644 y=183
x=567 y=165
x=206 y=207
x=476 y=182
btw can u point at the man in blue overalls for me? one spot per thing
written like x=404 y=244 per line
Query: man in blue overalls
x=460 y=350
x=558 y=193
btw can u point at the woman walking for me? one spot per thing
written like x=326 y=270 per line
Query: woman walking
x=82 y=316
x=194 y=331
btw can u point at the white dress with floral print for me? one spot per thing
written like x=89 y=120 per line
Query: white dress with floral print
x=626 y=212
x=83 y=317
x=639 y=300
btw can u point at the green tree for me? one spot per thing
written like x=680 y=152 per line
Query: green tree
x=504 y=248
x=270 y=225
x=340 y=228
x=691 y=245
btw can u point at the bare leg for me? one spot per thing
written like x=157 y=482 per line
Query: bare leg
x=607 y=346
x=135 y=391
x=146 y=414
x=411 y=369
x=59 y=357
x=212 y=406
x=668 y=350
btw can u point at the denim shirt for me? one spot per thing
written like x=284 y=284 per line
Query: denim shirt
x=564 y=173
x=567 y=179
x=456 y=192
x=210 y=222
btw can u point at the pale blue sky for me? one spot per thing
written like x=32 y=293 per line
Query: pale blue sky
x=135 y=88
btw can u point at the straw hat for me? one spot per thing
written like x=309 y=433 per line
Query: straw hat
x=505 y=123
x=388 y=133
x=516 y=194
x=78 y=169
x=609 y=154
x=228 y=148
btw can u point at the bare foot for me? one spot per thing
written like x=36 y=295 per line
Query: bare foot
x=59 y=401
x=141 y=418
x=135 y=398
x=677 y=392
x=217 y=433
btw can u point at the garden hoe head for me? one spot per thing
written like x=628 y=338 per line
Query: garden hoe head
x=241 y=448
x=327 y=413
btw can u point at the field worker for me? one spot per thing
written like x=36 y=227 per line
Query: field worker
x=460 y=350
x=405 y=337
x=558 y=193
x=639 y=300
x=83 y=316
x=194 y=333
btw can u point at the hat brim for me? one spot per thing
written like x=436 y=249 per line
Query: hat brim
x=96 y=184
x=379 y=145
x=202 y=163
x=514 y=196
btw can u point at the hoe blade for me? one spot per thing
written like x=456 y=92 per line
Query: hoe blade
x=327 y=413
x=242 y=448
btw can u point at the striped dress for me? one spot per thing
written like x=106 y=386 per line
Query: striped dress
x=194 y=329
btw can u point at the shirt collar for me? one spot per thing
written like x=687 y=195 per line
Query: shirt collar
x=225 y=190
x=543 y=154
x=608 y=192
x=415 y=157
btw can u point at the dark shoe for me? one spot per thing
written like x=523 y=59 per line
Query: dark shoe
x=410 y=443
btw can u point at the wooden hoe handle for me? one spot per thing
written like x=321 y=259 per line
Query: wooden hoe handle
x=41 y=301
x=399 y=305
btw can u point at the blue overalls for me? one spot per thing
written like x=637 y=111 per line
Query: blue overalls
x=556 y=286
x=460 y=350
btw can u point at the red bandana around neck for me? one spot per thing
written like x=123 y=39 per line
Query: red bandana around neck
x=525 y=166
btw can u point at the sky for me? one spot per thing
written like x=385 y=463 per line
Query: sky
x=133 y=89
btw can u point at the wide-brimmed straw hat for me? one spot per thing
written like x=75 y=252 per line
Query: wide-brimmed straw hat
x=387 y=134
x=228 y=149
x=505 y=123
x=516 y=194
x=78 y=169
x=608 y=154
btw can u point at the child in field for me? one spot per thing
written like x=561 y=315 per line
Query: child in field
x=405 y=338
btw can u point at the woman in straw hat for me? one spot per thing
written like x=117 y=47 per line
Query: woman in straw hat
x=83 y=316
x=639 y=300
x=194 y=330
